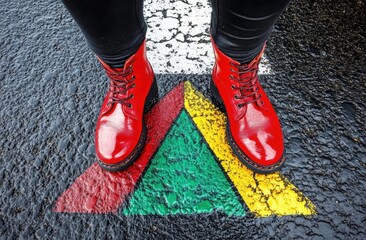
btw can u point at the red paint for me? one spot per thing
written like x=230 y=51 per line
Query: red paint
x=99 y=191
x=255 y=131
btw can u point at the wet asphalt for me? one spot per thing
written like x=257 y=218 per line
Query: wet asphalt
x=51 y=88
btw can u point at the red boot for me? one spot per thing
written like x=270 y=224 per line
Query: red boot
x=253 y=129
x=121 y=132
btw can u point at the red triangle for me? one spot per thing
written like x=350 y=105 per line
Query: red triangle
x=99 y=191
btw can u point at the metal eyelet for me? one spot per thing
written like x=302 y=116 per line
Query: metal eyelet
x=239 y=106
x=261 y=102
x=232 y=87
x=132 y=96
x=236 y=97
x=129 y=105
x=133 y=85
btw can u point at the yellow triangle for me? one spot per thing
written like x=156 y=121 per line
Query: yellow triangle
x=265 y=195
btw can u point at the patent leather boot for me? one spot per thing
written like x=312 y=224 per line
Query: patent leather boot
x=120 y=131
x=253 y=129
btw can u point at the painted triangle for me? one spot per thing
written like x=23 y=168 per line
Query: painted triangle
x=184 y=178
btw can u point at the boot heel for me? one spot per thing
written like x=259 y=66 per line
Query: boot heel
x=152 y=97
x=215 y=97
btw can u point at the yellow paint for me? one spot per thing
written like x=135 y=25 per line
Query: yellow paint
x=265 y=195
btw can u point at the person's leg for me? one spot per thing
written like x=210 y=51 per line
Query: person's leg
x=239 y=30
x=114 y=29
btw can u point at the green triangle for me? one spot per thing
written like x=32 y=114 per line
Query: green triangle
x=184 y=178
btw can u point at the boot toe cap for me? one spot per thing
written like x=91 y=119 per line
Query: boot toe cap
x=263 y=150
x=114 y=147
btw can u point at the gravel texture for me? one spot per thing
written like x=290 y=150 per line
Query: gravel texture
x=51 y=88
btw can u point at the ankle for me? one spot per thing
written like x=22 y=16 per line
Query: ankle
x=114 y=61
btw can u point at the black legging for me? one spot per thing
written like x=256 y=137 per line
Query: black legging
x=115 y=29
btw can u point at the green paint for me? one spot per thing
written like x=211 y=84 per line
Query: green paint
x=184 y=178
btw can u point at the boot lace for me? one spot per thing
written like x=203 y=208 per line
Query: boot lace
x=247 y=83
x=120 y=84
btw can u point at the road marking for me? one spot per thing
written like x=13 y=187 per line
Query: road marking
x=265 y=195
x=98 y=191
x=184 y=178
x=178 y=38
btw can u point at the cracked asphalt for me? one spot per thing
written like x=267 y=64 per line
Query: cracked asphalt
x=51 y=88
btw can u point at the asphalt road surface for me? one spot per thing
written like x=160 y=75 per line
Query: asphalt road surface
x=51 y=88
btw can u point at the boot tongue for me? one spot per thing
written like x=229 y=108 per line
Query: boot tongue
x=245 y=75
x=250 y=73
x=129 y=62
x=111 y=71
x=119 y=69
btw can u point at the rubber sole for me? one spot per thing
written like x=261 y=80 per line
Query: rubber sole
x=217 y=100
x=151 y=99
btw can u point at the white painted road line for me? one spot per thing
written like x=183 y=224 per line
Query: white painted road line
x=178 y=37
